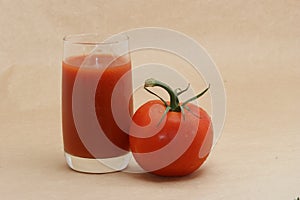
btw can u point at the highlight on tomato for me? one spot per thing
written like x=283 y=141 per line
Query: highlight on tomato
x=169 y=138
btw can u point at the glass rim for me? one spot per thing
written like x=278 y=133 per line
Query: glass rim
x=82 y=39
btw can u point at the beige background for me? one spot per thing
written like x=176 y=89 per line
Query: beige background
x=256 y=47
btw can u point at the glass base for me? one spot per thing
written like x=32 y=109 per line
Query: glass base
x=91 y=165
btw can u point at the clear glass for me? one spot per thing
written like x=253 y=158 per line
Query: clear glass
x=96 y=103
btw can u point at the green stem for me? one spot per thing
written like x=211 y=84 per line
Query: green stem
x=174 y=102
x=196 y=97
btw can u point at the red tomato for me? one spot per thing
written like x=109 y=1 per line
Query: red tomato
x=178 y=145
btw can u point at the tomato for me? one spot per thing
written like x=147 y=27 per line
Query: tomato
x=170 y=141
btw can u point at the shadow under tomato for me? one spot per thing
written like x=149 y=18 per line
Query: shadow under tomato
x=155 y=178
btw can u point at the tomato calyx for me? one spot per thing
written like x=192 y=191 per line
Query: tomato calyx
x=175 y=105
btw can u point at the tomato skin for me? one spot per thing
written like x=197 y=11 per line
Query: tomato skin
x=188 y=160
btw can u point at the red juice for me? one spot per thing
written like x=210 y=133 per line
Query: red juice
x=110 y=76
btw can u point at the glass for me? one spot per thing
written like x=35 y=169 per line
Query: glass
x=96 y=103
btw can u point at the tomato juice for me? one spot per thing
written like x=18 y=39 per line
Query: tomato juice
x=110 y=76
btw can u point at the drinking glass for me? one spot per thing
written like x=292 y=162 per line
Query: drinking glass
x=94 y=141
